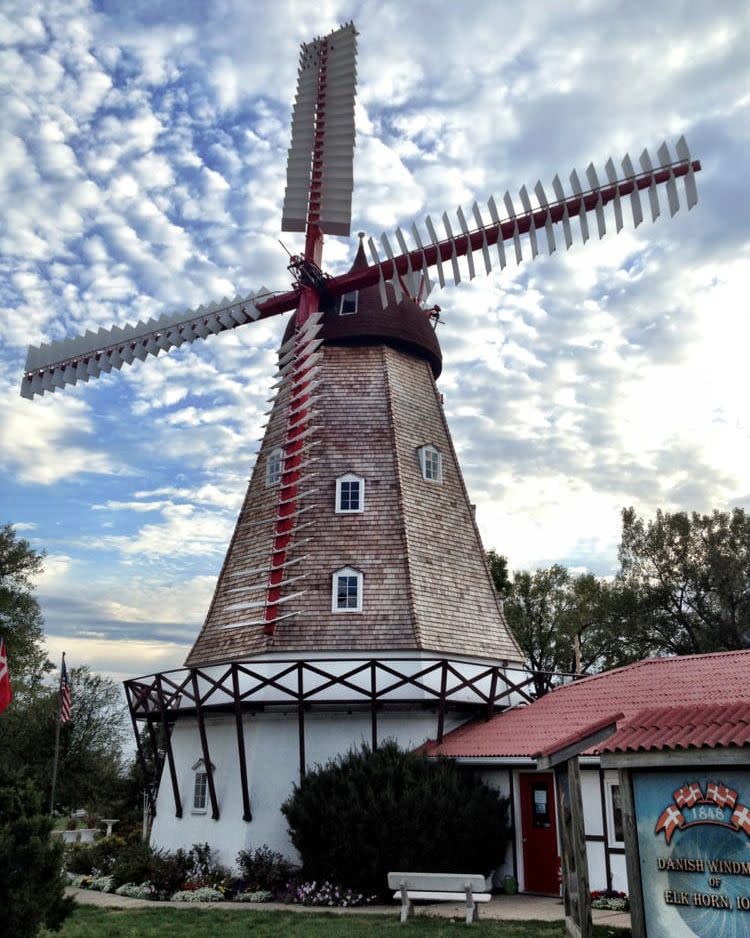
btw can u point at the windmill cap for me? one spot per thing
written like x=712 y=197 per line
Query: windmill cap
x=403 y=325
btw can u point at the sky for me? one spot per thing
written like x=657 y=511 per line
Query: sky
x=142 y=162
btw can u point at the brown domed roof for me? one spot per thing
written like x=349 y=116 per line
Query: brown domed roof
x=401 y=325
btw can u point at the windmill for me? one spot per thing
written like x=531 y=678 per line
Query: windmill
x=354 y=601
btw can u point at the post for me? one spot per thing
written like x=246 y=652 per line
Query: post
x=632 y=858
x=57 y=743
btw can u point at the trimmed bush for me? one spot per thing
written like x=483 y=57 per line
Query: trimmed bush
x=264 y=869
x=366 y=813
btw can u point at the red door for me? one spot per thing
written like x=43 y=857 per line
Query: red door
x=539 y=832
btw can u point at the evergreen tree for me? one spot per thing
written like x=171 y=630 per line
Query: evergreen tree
x=31 y=881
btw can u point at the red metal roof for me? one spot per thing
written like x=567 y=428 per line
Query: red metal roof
x=683 y=728
x=526 y=731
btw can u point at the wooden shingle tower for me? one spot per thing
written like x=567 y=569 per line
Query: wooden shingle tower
x=354 y=603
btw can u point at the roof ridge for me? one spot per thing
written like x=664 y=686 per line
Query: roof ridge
x=655 y=659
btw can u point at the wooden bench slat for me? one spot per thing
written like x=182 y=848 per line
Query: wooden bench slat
x=444 y=881
x=444 y=896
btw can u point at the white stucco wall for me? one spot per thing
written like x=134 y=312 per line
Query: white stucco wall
x=272 y=756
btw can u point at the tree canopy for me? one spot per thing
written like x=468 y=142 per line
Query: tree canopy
x=683 y=587
x=21 y=623
x=90 y=772
x=689 y=578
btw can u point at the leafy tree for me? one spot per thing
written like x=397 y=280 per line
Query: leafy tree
x=537 y=609
x=565 y=623
x=21 y=621
x=366 y=813
x=31 y=884
x=687 y=580
x=90 y=770
x=498 y=565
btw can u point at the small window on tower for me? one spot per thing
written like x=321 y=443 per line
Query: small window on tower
x=274 y=466
x=431 y=463
x=348 y=306
x=200 y=786
x=350 y=494
x=347 y=590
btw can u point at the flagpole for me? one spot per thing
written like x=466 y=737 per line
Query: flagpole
x=58 y=722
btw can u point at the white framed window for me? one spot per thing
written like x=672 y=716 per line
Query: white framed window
x=274 y=466
x=200 y=787
x=350 y=494
x=348 y=304
x=613 y=802
x=347 y=590
x=431 y=463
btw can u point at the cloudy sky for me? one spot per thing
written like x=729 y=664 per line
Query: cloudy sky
x=142 y=157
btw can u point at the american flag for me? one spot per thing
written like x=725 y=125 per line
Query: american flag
x=64 y=694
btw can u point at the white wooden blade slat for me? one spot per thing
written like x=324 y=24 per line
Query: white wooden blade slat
x=469 y=253
x=653 y=198
x=575 y=185
x=512 y=216
x=665 y=160
x=435 y=240
x=691 y=190
x=496 y=221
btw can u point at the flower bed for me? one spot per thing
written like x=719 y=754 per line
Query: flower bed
x=610 y=899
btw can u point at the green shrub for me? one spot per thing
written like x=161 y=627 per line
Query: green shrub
x=205 y=869
x=265 y=870
x=367 y=813
x=31 y=878
x=139 y=863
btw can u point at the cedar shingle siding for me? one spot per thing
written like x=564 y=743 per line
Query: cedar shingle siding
x=426 y=583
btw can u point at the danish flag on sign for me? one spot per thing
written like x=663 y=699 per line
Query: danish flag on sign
x=688 y=795
x=669 y=821
x=721 y=795
x=6 y=693
x=741 y=818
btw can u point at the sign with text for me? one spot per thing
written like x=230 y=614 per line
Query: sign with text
x=694 y=846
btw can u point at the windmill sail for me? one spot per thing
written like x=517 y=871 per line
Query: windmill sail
x=319 y=172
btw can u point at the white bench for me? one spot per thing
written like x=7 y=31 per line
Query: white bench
x=439 y=887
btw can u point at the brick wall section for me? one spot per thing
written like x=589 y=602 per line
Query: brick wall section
x=426 y=584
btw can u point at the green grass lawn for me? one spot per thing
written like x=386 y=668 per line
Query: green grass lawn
x=89 y=922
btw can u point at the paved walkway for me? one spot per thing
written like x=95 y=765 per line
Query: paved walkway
x=510 y=908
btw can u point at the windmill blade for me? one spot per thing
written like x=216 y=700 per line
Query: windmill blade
x=319 y=178
x=530 y=220
x=54 y=365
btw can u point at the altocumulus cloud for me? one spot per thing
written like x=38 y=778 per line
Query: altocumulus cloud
x=142 y=155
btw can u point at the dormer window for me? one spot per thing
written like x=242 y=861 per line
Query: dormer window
x=431 y=463
x=350 y=494
x=347 y=590
x=274 y=466
x=348 y=304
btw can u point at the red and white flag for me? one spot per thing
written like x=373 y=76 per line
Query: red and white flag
x=64 y=694
x=6 y=692
x=688 y=795
x=741 y=818
x=721 y=795
x=670 y=820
